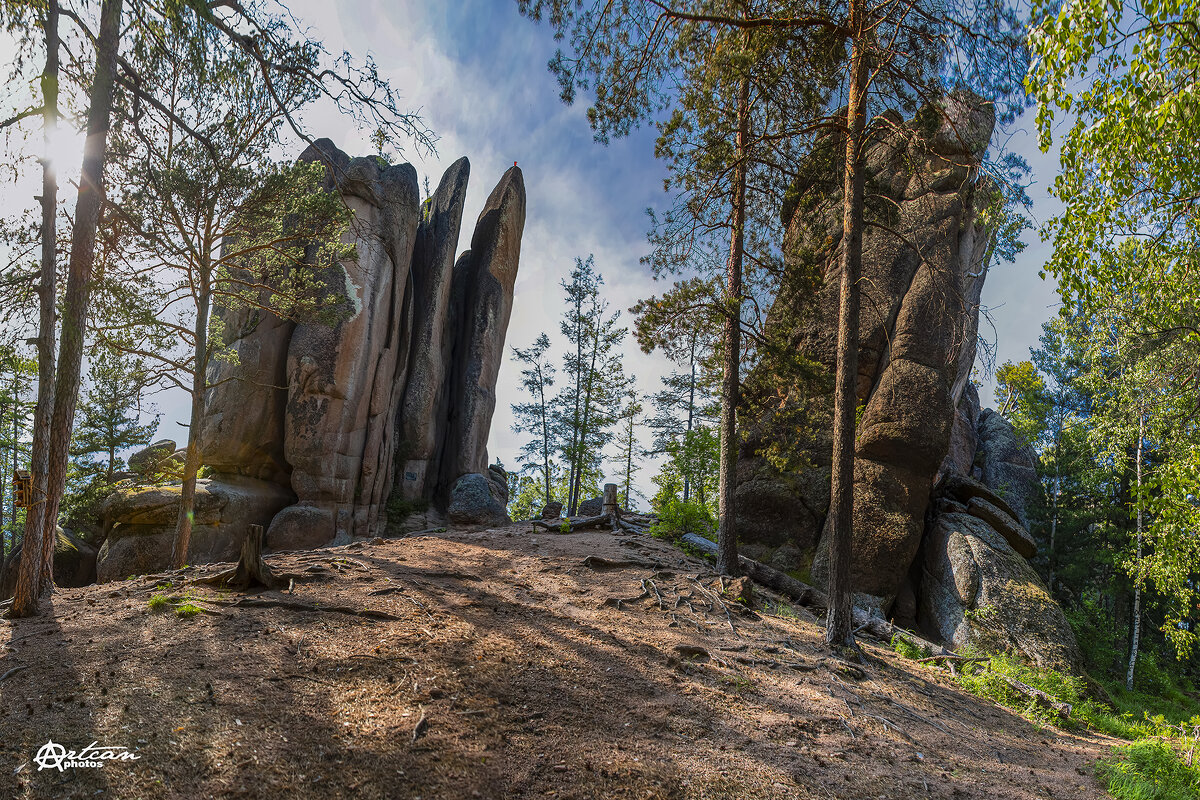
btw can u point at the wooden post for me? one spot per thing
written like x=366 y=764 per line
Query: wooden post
x=610 y=508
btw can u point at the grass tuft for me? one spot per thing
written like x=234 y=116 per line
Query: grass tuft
x=1149 y=770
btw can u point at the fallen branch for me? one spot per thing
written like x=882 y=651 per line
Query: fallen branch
x=953 y=657
x=1063 y=710
x=12 y=672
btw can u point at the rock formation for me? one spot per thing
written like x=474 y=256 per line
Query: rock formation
x=924 y=258
x=315 y=429
x=924 y=263
x=977 y=587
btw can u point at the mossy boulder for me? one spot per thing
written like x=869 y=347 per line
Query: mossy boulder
x=979 y=592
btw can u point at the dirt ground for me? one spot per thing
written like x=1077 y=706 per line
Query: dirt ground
x=515 y=665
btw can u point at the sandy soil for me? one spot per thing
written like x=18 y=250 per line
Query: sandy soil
x=517 y=665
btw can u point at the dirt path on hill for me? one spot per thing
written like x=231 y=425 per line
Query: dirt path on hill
x=517 y=665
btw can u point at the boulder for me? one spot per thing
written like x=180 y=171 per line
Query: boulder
x=1008 y=464
x=590 y=507
x=552 y=510
x=979 y=592
x=141 y=549
x=148 y=458
x=1003 y=523
x=473 y=501
x=498 y=477
x=481 y=300
x=420 y=426
x=74 y=564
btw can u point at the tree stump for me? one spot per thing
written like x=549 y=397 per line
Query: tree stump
x=251 y=570
x=610 y=507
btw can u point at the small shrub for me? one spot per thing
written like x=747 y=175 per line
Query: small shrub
x=186 y=610
x=1149 y=770
x=780 y=609
x=159 y=602
x=988 y=680
x=676 y=517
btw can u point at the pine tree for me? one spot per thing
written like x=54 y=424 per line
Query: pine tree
x=535 y=417
x=16 y=378
x=629 y=450
x=109 y=416
x=586 y=409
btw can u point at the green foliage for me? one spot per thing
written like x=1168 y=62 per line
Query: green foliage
x=108 y=419
x=677 y=517
x=1021 y=398
x=188 y=610
x=988 y=680
x=905 y=647
x=159 y=602
x=535 y=417
x=1149 y=770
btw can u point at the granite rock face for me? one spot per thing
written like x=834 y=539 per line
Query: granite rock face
x=419 y=427
x=326 y=426
x=942 y=489
x=1007 y=465
x=343 y=382
x=920 y=293
x=482 y=295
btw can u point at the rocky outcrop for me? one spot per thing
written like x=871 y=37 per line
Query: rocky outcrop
x=482 y=295
x=942 y=489
x=1007 y=465
x=923 y=265
x=979 y=592
x=327 y=426
x=345 y=380
x=420 y=428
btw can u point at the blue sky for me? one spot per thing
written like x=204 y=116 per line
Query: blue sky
x=476 y=71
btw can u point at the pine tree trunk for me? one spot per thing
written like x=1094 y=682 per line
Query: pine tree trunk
x=691 y=414
x=727 y=557
x=545 y=435
x=192 y=461
x=576 y=444
x=35 y=577
x=1137 y=582
x=841 y=508
x=577 y=487
x=1054 y=501
x=31 y=579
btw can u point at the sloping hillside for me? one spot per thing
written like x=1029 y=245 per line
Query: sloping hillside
x=494 y=664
